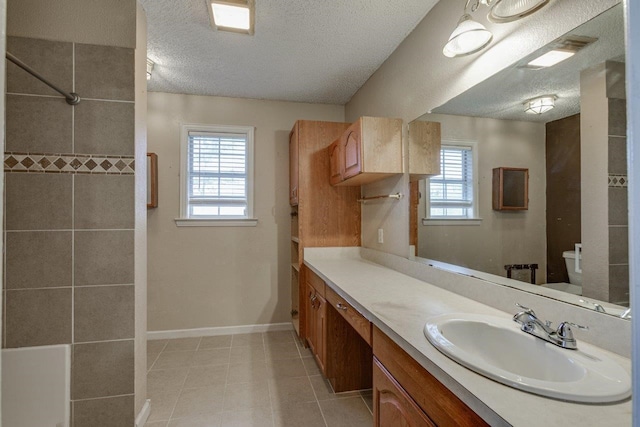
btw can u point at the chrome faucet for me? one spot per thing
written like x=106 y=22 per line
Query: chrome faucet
x=626 y=314
x=562 y=336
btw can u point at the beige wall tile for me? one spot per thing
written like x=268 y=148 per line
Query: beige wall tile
x=103 y=127
x=103 y=257
x=52 y=116
x=38 y=259
x=619 y=283
x=104 y=201
x=104 y=72
x=37 y=201
x=38 y=317
x=618 y=117
x=617 y=155
x=109 y=412
x=102 y=369
x=618 y=206
x=50 y=58
x=103 y=313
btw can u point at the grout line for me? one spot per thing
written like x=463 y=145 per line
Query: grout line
x=103 y=397
x=71 y=229
x=37 y=95
x=103 y=341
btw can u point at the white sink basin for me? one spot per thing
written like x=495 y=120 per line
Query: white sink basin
x=496 y=348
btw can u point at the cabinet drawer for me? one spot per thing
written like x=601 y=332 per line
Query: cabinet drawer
x=314 y=280
x=442 y=406
x=351 y=315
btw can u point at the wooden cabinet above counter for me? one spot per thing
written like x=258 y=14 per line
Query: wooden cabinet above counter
x=369 y=150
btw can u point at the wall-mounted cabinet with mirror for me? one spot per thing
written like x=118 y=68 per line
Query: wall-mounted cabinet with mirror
x=575 y=160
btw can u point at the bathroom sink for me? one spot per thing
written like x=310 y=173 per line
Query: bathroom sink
x=496 y=348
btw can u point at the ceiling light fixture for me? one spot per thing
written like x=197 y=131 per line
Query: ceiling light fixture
x=551 y=58
x=150 y=65
x=232 y=15
x=540 y=105
x=468 y=37
x=512 y=10
x=561 y=49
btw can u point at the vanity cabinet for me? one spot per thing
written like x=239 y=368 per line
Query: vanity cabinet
x=425 y=141
x=406 y=394
x=369 y=150
x=316 y=318
x=321 y=215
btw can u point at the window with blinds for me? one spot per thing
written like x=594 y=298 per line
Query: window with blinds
x=451 y=194
x=217 y=174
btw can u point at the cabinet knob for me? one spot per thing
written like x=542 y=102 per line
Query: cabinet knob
x=341 y=306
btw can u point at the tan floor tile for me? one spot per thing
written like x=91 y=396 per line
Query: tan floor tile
x=247 y=354
x=182 y=344
x=247 y=372
x=367 y=396
x=306 y=353
x=215 y=356
x=257 y=417
x=324 y=391
x=311 y=366
x=286 y=368
x=175 y=359
x=156 y=346
x=221 y=341
x=162 y=405
x=243 y=340
x=211 y=420
x=199 y=401
x=151 y=359
x=350 y=412
x=293 y=414
x=246 y=396
x=166 y=379
x=281 y=350
x=279 y=337
x=203 y=376
x=288 y=390
x=156 y=424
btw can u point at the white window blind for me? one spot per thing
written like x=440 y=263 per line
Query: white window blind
x=451 y=194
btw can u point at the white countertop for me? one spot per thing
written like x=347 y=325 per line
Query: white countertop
x=400 y=306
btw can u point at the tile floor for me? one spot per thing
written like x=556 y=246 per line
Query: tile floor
x=245 y=380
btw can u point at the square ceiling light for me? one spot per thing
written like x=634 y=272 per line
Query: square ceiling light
x=232 y=15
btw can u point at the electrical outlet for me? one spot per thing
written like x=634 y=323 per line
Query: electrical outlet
x=380 y=235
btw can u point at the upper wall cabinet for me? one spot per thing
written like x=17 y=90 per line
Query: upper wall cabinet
x=369 y=150
x=424 y=149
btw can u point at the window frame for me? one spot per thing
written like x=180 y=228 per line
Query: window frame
x=226 y=220
x=475 y=206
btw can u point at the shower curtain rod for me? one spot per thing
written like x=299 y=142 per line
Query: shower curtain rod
x=72 y=98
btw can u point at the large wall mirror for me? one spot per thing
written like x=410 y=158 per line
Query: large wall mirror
x=570 y=243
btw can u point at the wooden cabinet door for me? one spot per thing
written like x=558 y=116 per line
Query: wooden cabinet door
x=352 y=151
x=335 y=161
x=392 y=406
x=320 y=331
x=293 y=166
x=311 y=317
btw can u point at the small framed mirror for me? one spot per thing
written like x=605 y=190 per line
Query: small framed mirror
x=510 y=189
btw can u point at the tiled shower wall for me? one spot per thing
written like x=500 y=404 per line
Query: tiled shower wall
x=69 y=227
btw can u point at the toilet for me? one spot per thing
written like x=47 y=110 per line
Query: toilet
x=575 y=278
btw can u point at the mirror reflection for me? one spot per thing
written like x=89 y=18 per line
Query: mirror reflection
x=555 y=120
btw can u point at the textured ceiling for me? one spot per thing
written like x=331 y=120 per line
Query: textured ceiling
x=319 y=51
x=502 y=95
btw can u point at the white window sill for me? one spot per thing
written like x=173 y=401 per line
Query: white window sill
x=208 y=222
x=452 y=221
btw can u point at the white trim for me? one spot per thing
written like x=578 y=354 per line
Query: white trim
x=197 y=222
x=143 y=416
x=221 y=330
x=452 y=142
x=632 y=14
x=451 y=221
x=185 y=128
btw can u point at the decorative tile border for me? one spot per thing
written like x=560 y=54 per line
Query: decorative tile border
x=618 y=181
x=69 y=163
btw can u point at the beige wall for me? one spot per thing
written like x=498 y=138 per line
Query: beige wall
x=106 y=22
x=502 y=237
x=416 y=78
x=140 y=276
x=223 y=276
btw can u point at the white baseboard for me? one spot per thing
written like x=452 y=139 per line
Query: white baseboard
x=142 y=417
x=223 y=330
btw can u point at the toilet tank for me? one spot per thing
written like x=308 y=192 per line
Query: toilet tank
x=570 y=262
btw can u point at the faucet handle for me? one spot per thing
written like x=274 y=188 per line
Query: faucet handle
x=564 y=330
x=526 y=309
